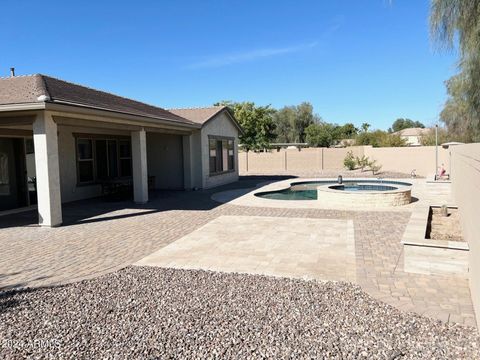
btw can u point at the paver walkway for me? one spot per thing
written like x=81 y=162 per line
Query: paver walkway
x=100 y=237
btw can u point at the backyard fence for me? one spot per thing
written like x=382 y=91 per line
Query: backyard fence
x=309 y=160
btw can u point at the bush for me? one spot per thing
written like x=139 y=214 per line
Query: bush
x=362 y=162
x=372 y=165
x=349 y=161
x=379 y=138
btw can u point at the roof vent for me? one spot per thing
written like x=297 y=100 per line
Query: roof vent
x=12 y=71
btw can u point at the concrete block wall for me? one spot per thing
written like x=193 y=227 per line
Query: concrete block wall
x=400 y=159
x=466 y=192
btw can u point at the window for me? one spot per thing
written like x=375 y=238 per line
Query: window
x=85 y=160
x=103 y=159
x=221 y=155
x=231 y=155
x=212 y=145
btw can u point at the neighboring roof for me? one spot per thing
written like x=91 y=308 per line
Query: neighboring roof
x=452 y=143
x=198 y=115
x=41 y=88
x=413 y=132
x=203 y=115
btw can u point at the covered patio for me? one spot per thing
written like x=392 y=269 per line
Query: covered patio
x=61 y=142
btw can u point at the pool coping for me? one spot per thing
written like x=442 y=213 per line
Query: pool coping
x=249 y=198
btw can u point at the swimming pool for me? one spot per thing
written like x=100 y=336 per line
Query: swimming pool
x=308 y=190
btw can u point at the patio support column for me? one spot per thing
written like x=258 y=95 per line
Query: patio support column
x=45 y=140
x=187 y=162
x=139 y=165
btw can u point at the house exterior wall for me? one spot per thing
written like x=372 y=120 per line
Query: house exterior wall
x=412 y=140
x=466 y=191
x=165 y=160
x=220 y=125
x=197 y=159
x=70 y=190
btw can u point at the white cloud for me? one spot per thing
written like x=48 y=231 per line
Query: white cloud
x=241 y=57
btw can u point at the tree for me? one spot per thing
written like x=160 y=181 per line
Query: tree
x=460 y=19
x=429 y=138
x=379 y=138
x=365 y=127
x=256 y=122
x=304 y=119
x=401 y=124
x=320 y=135
x=291 y=122
x=461 y=122
x=347 y=131
x=284 y=120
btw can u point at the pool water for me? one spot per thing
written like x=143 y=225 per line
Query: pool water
x=308 y=190
x=360 y=187
x=289 y=194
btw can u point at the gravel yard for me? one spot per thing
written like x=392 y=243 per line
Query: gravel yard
x=142 y=312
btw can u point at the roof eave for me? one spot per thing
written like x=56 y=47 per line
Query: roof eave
x=54 y=105
x=22 y=106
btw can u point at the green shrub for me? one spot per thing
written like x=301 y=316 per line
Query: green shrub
x=362 y=162
x=372 y=165
x=349 y=161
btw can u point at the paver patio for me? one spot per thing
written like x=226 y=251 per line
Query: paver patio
x=294 y=247
x=101 y=237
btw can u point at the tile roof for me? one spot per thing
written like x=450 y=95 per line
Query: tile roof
x=413 y=132
x=198 y=115
x=28 y=89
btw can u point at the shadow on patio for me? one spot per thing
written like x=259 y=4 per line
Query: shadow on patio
x=104 y=209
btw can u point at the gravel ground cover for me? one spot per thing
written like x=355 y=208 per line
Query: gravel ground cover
x=445 y=227
x=142 y=312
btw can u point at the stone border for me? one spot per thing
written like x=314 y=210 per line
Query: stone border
x=399 y=196
x=415 y=233
x=432 y=257
x=249 y=198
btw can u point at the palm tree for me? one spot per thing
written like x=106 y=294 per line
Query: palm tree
x=365 y=127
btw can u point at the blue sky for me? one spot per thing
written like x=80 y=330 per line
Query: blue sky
x=355 y=61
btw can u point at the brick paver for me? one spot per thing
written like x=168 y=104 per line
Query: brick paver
x=100 y=237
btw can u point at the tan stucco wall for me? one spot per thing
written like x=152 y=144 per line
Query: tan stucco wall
x=333 y=157
x=197 y=162
x=165 y=160
x=403 y=159
x=466 y=191
x=221 y=125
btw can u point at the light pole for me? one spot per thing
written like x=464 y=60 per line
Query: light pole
x=436 y=151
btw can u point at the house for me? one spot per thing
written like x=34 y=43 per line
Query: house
x=61 y=142
x=413 y=136
x=218 y=149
